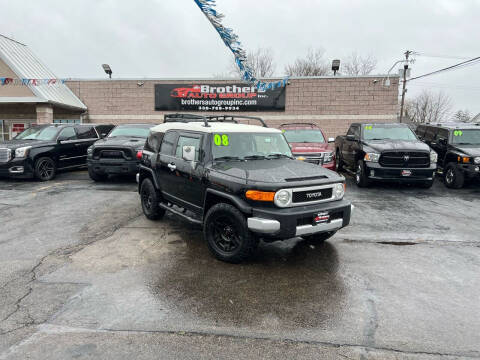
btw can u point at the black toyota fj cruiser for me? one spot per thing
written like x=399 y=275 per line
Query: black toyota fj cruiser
x=40 y=151
x=387 y=152
x=240 y=182
x=119 y=153
x=458 y=148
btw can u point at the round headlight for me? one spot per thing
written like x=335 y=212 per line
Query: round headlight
x=90 y=150
x=282 y=198
x=339 y=191
x=476 y=160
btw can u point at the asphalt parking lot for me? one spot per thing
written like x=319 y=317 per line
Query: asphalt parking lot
x=84 y=275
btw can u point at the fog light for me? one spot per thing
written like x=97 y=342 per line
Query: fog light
x=477 y=168
x=16 y=170
x=372 y=173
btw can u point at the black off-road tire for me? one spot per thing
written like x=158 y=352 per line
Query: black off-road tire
x=454 y=177
x=361 y=178
x=150 y=199
x=45 y=168
x=319 y=238
x=338 y=161
x=95 y=176
x=226 y=232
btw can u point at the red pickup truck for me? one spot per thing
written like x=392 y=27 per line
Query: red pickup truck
x=308 y=143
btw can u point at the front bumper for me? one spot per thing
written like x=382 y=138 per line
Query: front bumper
x=113 y=166
x=471 y=170
x=17 y=168
x=279 y=224
x=375 y=171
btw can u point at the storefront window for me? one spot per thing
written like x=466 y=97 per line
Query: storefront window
x=66 y=121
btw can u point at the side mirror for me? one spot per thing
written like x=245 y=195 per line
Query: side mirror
x=351 y=137
x=188 y=153
x=442 y=141
x=331 y=139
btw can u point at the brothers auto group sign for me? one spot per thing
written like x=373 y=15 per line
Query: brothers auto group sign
x=219 y=97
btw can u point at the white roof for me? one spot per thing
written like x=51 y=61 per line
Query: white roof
x=214 y=127
x=25 y=64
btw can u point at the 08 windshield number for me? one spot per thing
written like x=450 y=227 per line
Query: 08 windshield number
x=221 y=140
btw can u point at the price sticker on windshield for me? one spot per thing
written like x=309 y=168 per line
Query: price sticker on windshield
x=458 y=133
x=369 y=127
x=221 y=140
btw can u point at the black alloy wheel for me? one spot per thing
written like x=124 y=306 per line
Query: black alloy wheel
x=45 y=169
x=227 y=234
x=454 y=177
x=338 y=161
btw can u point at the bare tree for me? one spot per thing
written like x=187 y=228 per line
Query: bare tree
x=356 y=65
x=260 y=61
x=313 y=64
x=462 y=116
x=429 y=107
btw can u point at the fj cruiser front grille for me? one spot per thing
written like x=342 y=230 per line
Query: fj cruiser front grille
x=5 y=155
x=405 y=159
x=311 y=195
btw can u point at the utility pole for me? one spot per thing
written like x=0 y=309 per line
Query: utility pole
x=404 y=90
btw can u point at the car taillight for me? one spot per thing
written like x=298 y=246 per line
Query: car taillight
x=139 y=154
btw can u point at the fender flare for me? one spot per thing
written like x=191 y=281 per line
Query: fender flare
x=239 y=203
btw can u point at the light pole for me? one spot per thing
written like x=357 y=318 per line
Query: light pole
x=107 y=70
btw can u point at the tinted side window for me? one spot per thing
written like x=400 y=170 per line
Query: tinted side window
x=421 y=131
x=168 y=143
x=86 y=132
x=442 y=134
x=430 y=133
x=103 y=130
x=351 y=130
x=188 y=141
x=68 y=134
x=153 y=142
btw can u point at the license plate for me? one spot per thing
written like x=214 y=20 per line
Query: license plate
x=321 y=217
x=406 y=172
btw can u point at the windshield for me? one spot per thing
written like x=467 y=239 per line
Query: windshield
x=375 y=132
x=130 y=131
x=249 y=146
x=38 y=133
x=304 y=136
x=466 y=137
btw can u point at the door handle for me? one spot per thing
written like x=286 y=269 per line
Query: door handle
x=172 y=166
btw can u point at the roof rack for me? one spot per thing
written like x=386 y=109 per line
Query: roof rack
x=232 y=118
x=186 y=118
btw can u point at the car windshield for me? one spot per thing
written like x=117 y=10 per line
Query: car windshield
x=376 y=132
x=466 y=137
x=303 y=135
x=130 y=131
x=249 y=146
x=38 y=133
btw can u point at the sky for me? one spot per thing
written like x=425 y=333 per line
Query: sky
x=173 y=39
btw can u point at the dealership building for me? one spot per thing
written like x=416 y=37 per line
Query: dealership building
x=331 y=102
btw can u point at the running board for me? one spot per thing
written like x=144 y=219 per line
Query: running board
x=180 y=213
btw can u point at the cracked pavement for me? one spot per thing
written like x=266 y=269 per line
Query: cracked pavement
x=84 y=275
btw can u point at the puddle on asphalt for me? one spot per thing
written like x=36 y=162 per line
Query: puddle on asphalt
x=288 y=284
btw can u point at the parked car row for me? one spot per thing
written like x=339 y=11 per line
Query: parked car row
x=40 y=151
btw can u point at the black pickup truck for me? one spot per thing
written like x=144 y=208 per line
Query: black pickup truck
x=119 y=153
x=385 y=152
x=458 y=148
x=240 y=182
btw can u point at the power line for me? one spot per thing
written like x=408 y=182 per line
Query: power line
x=441 y=56
x=456 y=66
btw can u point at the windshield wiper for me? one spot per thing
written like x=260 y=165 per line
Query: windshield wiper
x=273 y=156
x=463 y=143
x=227 y=158
x=254 y=157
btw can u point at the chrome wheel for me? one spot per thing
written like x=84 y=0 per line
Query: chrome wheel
x=449 y=176
x=358 y=174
